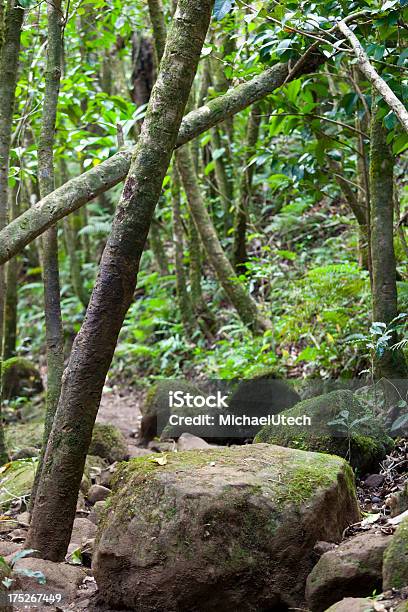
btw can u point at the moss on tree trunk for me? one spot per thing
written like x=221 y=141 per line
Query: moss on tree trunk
x=384 y=287
x=93 y=349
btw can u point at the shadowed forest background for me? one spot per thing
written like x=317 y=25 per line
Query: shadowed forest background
x=201 y=191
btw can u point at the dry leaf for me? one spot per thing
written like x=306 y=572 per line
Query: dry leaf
x=160 y=460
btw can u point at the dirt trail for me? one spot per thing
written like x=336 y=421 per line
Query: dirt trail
x=122 y=409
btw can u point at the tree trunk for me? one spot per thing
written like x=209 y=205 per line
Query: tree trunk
x=243 y=303
x=156 y=14
x=52 y=306
x=183 y=297
x=11 y=303
x=11 y=22
x=93 y=349
x=224 y=185
x=384 y=289
x=242 y=208
x=157 y=246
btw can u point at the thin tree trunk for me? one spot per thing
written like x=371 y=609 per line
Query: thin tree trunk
x=84 y=188
x=183 y=297
x=384 y=290
x=158 y=249
x=52 y=306
x=245 y=306
x=223 y=183
x=12 y=21
x=71 y=245
x=156 y=14
x=242 y=209
x=93 y=349
x=11 y=303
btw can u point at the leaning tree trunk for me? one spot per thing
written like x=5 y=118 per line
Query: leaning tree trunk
x=241 y=300
x=11 y=22
x=52 y=306
x=242 y=209
x=93 y=349
x=384 y=288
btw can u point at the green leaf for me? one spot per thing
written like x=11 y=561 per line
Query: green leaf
x=222 y=7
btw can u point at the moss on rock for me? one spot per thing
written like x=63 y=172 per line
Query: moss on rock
x=20 y=378
x=109 y=443
x=234 y=525
x=23 y=435
x=16 y=481
x=365 y=445
x=395 y=567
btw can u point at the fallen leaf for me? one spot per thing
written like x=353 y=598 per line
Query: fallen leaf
x=160 y=460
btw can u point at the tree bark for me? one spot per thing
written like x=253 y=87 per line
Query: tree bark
x=156 y=14
x=183 y=297
x=242 y=208
x=50 y=267
x=101 y=178
x=157 y=246
x=12 y=19
x=384 y=290
x=93 y=349
x=11 y=301
x=245 y=306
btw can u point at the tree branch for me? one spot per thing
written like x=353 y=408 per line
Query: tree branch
x=372 y=75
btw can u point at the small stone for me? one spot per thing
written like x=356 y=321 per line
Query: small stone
x=374 y=481
x=97 y=493
x=18 y=535
x=9 y=548
x=188 y=441
x=96 y=511
x=376 y=500
x=25 y=453
x=106 y=476
x=8 y=525
x=322 y=547
x=23 y=519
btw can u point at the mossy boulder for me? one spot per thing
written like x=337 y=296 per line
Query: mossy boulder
x=156 y=411
x=365 y=443
x=109 y=443
x=395 y=567
x=220 y=529
x=261 y=396
x=20 y=378
x=16 y=481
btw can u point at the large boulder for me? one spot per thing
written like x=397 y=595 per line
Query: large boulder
x=220 y=529
x=352 y=604
x=20 y=378
x=395 y=567
x=354 y=568
x=339 y=425
x=108 y=442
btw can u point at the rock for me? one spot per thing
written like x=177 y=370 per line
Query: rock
x=7 y=525
x=25 y=453
x=374 y=481
x=322 y=547
x=82 y=531
x=16 y=480
x=156 y=411
x=261 y=396
x=108 y=442
x=24 y=435
x=352 y=604
x=96 y=512
x=369 y=444
x=106 y=476
x=18 y=535
x=136 y=451
x=398 y=501
x=93 y=468
x=235 y=525
x=188 y=441
x=353 y=568
x=9 y=548
x=60 y=577
x=20 y=378
x=395 y=567
x=23 y=519
x=97 y=493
